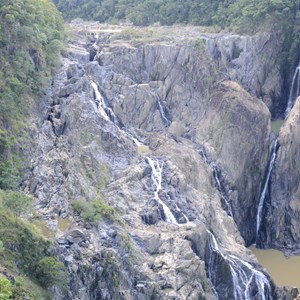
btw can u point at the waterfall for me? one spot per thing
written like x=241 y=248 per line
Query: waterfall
x=100 y=100
x=245 y=275
x=294 y=91
x=156 y=177
x=107 y=113
x=162 y=112
x=265 y=188
x=157 y=168
x=245 y=278
x=224 y=201
x=220 y=187
x=179 y=211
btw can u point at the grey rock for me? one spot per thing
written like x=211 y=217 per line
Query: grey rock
x=76 y=236
x=80 y=155
x=282 y=220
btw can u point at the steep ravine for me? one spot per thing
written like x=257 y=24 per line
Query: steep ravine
x=176 y=109
x=281 y=224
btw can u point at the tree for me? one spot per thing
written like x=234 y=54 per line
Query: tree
x=51 y=272
x=6 y=288
x=18 y=203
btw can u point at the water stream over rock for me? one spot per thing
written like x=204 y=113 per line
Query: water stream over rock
x=107 y=113
x=265 y=187
x=156 y=176
x=247 y=282
x=226 y=204
x=294 y=91
x=162 y=112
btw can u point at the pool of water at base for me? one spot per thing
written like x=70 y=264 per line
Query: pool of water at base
x=285 y=271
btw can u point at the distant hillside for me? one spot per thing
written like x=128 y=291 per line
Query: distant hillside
x=243 y=16
x=246 y=15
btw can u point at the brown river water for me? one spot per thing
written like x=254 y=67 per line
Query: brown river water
x=283 y=271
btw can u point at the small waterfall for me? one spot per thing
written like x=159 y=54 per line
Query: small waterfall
x=225 y=203
x=245 y=278
x=179 y=211
x=100 y=100
x=245 y=275
x=93 y=49
x=220 y=187
x=265 y=188
x=294 y=91
x=162 y=112
x=156 y=179
x=107 y=113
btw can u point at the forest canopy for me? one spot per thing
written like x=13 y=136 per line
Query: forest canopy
x=245 y=15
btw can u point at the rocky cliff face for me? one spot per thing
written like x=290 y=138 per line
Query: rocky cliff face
x=155 y=130
x=253 y=61
x=281 y=228
x=217 y=115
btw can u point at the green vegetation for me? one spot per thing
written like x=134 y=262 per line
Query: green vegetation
x=17 y=203
x=23 y=250
x=141 y=12
x=229 y=13
x=6 y=288
x=92 y=212
x=244 y=16
x=9 y=161
x=1 y=247
x=51 y=272
x=31 y=37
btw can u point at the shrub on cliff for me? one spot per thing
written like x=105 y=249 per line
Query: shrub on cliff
x=51 y=272
x=6 y=288
x=17 y=203
x=92 y=212
x=27 y=252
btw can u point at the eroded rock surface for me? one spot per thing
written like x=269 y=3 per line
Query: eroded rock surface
x=165 y=102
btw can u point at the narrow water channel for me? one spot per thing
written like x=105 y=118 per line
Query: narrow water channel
x=284 y=271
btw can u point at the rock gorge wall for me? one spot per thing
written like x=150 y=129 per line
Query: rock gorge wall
x=202 y=104
x=281 y=226
x=173 y=96
x=254 y=62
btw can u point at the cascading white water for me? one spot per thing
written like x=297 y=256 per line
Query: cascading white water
x=178 y=209
x=104 y=110
x=156 y=176
x=162 y=112
x=264 y=191
x=294 y=91
x=108 y=114
x=99 y=98
x=225 y=202
x=244 y=275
